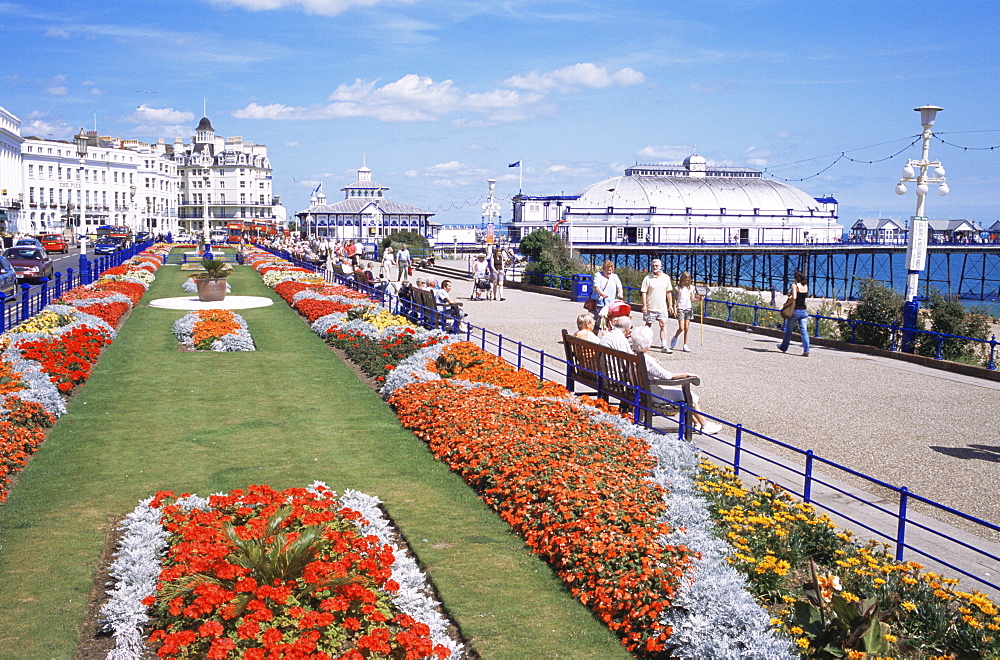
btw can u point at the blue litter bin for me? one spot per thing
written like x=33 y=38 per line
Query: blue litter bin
x=582 y=287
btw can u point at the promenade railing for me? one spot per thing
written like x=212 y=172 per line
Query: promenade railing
x=30 y=299
x=802 y=472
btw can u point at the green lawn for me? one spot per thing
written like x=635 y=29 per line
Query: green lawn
x=152 y=418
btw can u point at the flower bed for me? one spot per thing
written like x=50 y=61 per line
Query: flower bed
x=267 y=574
x=799 y=563
x=610 y=505
x=214 y=330
x=45 y=358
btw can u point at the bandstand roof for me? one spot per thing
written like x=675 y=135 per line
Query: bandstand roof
x=700 y=194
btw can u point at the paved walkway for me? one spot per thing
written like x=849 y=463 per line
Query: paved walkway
x=934 y=432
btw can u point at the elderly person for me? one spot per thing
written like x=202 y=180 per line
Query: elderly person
x=480 y=277
x=641 y=340
x=585 y=328
x=607 y=288
x=618 y=337
x=446 y=306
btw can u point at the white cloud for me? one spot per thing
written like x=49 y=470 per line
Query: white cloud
x=318 y=7
x=420 y=98
x=450 y=166
x=292 y=143
x=411 y=174
x=757 y=162
x=161 y=121
x=668 y=153
x=571 y=78
x=57 y=90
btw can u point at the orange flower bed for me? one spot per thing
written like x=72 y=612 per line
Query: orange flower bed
x=22 y=429
x=10 y=380
x=577 y=491
x=289 y=288
x=213 y=324
x=313 y=308
x=111 y=312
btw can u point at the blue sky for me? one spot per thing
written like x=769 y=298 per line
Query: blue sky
x=440 y=95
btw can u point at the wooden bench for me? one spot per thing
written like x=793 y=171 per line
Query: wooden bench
x=622 y=376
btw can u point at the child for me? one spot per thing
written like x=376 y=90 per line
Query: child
x=685 y=296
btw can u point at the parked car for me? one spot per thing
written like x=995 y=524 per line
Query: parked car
x=8 y=278
x=142 y=236
x=30 y=263
x=54 y=243
x=106 y=246
x=29 y=242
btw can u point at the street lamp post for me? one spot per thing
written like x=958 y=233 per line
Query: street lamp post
x=81 y=150
x=915 y=171
x=207 y=180
x=131 y=208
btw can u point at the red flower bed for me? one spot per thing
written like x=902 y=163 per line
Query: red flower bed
x=577 y=491
x=22 y=429
x=69 y=357
x=313 y=308
x=111 y=312
x=326 y=595
x=132 y=290
x=289 y=288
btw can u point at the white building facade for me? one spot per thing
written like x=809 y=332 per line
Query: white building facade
x=11 y=190
x=223 y=180
x=690 y=203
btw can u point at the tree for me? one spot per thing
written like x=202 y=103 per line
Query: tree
x=413 y=240
x=949 y=316
x=548 y=257
x=877 y=305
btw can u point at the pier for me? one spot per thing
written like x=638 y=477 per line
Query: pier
x=834 y=270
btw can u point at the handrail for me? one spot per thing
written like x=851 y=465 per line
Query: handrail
x=550 y=367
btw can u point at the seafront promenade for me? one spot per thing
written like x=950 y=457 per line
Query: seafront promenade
x=934 y=432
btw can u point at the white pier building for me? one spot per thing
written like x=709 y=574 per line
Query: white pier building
x=688 y=203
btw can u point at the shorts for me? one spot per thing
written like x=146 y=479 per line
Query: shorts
x=685 y=314
x=651 y=315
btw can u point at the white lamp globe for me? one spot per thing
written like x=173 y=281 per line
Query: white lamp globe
x=900 y=189
x=922 y=189
x=908 y=172
x=939 y=171
x=943 y=189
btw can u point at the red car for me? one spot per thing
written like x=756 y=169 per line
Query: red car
x=54 y=243
x=30 y=263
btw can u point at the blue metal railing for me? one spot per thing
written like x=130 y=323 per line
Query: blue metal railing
x=29 y=300
x=802 y=481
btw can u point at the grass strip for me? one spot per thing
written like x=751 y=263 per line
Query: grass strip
x=153 y=418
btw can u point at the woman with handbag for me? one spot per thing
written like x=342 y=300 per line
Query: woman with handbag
x=796 y=303
x=607 y=289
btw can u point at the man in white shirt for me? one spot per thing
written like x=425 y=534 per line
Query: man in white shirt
x=618 y=337
x=658 y=300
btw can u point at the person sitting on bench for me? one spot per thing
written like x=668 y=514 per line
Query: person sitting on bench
x=642 y=338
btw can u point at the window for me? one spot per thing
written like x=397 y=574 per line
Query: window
x=31 y=195
x=243 y=184
x=31 y=171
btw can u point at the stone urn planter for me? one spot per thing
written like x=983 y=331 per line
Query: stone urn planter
x=211 y=289
x=212 y=283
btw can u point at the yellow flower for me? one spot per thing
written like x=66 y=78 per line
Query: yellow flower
x=892 y=639
x=795 y=630
x=908 y=606
x=802 y=642
x=849 y=597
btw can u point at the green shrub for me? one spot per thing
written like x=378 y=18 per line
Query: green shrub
x=877 y=304
x=948 y=316
x=766 y=317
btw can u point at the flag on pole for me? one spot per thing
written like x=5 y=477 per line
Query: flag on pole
x=517 y=164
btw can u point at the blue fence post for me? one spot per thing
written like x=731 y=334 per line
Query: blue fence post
x=84 y=270
x=541 y=366
x=807 y=490
x=738 y=449
x=482 y=341
x=993 y=349
x=893 y=333
x=69 y=279
x=519 y=347
x=58 y=278
x=816 y=325
x=729 y=311
x=44 y=294
x=939 y=340
x=682 y=421
x=756 y=309
x=25 y=312
x=3 y=313
x=904 y=496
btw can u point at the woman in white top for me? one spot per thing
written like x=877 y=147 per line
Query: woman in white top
x=685 y=295
x=388 y=259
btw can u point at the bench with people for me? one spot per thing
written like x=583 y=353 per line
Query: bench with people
x=618 y=366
